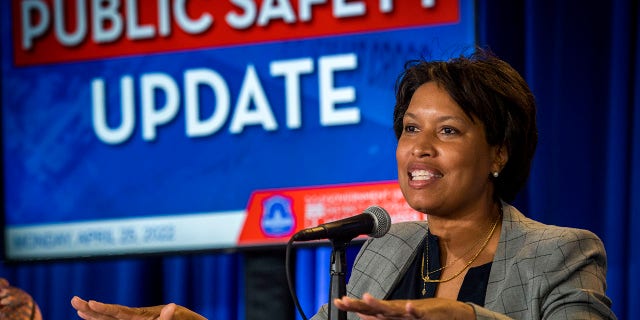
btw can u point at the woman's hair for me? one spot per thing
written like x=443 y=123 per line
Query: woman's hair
x=491 y=91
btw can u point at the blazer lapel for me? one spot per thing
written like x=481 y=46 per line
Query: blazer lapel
x=512 y=233
x=387 y=259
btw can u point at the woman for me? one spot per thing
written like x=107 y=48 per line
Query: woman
x=466 y=136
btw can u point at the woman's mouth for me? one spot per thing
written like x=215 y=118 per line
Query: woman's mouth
x=424 y=175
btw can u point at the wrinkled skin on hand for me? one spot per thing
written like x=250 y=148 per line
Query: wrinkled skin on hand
x=16 y=304
x=94 y=310
x=370 y=308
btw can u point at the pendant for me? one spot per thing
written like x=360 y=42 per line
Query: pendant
x=424 y=291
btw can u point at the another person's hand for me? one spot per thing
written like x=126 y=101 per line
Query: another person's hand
x=16 y=304
x=370 y=308
x=93 y=310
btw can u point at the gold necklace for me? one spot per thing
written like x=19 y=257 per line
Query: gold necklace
x=452 y=262
x=426 y=279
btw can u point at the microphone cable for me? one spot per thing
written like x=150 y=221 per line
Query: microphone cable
x=288 y=268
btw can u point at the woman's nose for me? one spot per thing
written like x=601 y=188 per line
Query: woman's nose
x=423 y=147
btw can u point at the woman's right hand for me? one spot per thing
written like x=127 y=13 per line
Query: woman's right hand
x=94 y=310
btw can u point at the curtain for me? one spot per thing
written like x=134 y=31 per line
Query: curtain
x=581 y=60
x=589 y=110
x=622 y=184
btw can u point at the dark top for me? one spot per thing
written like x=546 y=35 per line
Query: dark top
x=474 y=286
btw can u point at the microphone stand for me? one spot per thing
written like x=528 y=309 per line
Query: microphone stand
x=338 y=286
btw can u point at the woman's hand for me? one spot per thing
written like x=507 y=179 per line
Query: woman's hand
x=370 y=308
x=93 y=310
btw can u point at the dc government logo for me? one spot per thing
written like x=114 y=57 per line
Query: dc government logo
x=277 y=216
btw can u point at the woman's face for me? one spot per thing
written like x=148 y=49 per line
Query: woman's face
x=444 y=160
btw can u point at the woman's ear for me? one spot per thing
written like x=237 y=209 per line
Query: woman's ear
x=501 y=158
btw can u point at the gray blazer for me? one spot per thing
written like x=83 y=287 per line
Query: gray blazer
x=539 y=271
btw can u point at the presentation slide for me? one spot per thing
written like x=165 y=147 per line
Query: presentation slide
x=135 y=127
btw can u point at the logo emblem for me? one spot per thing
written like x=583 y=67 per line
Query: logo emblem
x=277 y=217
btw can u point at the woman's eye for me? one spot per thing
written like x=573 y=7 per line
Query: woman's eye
x=449 y=131
x=410 y=128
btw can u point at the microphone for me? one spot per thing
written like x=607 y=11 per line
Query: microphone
x=374 y=222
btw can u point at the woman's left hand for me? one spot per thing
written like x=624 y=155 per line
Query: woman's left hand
x=370 y=308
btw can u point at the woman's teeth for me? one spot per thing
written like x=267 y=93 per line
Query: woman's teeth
x=423 y=175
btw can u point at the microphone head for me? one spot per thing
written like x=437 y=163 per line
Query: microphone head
x=381 y=219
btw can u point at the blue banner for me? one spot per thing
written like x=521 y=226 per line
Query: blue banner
x=198 y=130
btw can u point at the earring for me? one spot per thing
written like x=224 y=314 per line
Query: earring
x=495 y=174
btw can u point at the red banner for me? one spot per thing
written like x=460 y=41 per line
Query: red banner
x=62 y=31
x=273 y=216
